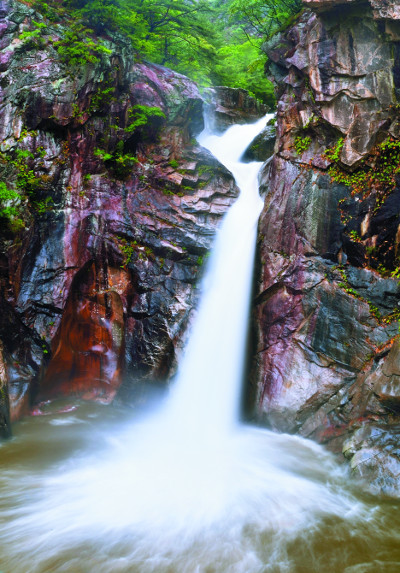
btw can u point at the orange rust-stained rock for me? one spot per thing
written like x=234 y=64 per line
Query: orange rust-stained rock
x=88 y=348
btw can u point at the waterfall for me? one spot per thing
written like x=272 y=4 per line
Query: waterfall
x=208 y=386
x=186 y=489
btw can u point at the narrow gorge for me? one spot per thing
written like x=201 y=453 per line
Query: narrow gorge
x=163 y=406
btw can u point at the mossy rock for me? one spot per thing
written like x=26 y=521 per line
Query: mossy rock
x=262 y=147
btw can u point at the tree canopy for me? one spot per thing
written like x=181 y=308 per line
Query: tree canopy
x=215 y=42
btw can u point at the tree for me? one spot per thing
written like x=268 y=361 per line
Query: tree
x=264 y=18
x=211 y=41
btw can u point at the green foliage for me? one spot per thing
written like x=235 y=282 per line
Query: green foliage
x=18 y=166
x=33 y=38
x=102 y=97
x=333 y=153
x=174 y=191
x=78 y=47
x=355 y=237
x=374 y=310
x=142 y=115
x=8 y=196
x=27 y=180
x=203 y=258
x=173 y=163
x=371 y=251
x=49 y=12
x=43 y=205
x=127 y=249
x=119 y=163
x=240 y=65
x=104 y=155
x=265 y=17
x=301 y=144
x=377 y=172
x=212 y=42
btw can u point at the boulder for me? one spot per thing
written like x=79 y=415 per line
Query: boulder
x=262 y=147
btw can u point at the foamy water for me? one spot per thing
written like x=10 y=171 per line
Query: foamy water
x=142 y=499
x=187 y=489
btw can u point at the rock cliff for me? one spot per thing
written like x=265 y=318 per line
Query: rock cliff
x=117 y=209
x=327 y=357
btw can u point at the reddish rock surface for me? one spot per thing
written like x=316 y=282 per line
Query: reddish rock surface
x=89 y=343
x=98 y=289
x=326 y=359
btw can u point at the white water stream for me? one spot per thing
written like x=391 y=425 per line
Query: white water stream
x=188 y=489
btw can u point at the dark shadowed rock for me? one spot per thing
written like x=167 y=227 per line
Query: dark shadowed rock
x=5 y=426
x=262 y=147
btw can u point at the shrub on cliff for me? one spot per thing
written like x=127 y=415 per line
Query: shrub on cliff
x=77 y=48
x=9 y=211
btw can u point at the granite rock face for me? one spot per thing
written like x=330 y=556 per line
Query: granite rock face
x=99 y=284
x=229 y=106
x=326 y=354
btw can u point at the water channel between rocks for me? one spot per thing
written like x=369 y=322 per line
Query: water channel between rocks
x=186 y=488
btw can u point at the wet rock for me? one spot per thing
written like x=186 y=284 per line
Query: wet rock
x=262 y=147
x=382 y=9
x=98 y=288
x=5 y=426
x=87 y=352
x=339 y=77
x=24 y=353
x=326 y=310
x=228 y=106
x=374 y=454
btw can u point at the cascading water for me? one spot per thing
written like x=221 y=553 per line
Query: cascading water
x=206 y=394
x=188 y=489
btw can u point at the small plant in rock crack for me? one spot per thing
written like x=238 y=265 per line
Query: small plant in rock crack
x=301 y=144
